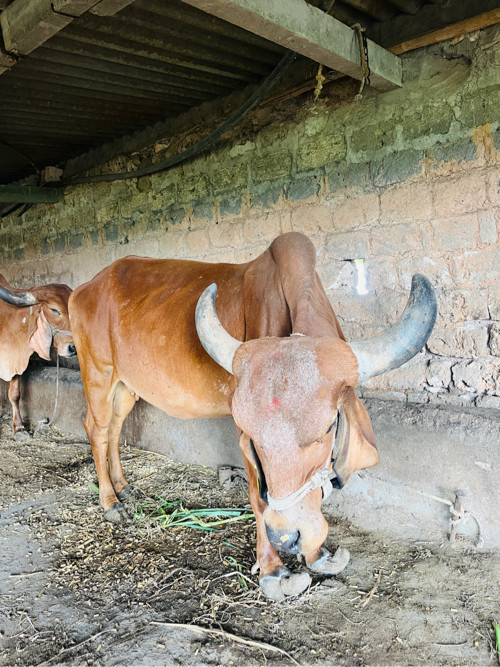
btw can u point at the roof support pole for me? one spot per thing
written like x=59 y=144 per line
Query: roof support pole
x=24 y=194
x=307 y=30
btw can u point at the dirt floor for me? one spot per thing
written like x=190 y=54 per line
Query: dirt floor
x=76 y=589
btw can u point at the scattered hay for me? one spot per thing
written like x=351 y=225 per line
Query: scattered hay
x=100 y=588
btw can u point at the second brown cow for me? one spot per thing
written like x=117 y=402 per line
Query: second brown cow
x=31 y=321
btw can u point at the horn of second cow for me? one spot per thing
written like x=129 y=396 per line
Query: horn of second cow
x=220 y=345
x=17 y=299
x=404 y=339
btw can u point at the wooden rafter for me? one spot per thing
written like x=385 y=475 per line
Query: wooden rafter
x=307 y=30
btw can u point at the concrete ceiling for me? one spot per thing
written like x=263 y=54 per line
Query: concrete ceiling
x=77 y=75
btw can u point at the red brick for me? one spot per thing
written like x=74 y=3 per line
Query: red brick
x=198 y=241
x=493 y=187
x=459 y=195
x=494 y=300
x=312 y=219
x=356 y=212
x=463 y=342
x=434 y=266
x=226 y=234
x=461 y=305
x=409 y=202
x=263 y=228
x=478 y=266
x=392 y=240
x=456 y=233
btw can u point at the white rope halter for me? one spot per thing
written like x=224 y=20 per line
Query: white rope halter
x=319 y=479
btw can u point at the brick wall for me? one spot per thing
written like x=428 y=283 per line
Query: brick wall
x=408 y=181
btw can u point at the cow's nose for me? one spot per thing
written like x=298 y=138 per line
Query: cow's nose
x=284 y=541
x=71 y=350
x=336 y=481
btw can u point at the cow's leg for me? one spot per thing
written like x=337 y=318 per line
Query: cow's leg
x=324 y=562
x=123 y=402
x=14 y=395
x=100 y=389
x=98 y=437
x=276 y=581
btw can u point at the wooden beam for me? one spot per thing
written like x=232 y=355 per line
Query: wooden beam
x=307 y=30
x=454 y=31
x=430 y=18
x=23 y=194
x=26 y=24
x=109 y=7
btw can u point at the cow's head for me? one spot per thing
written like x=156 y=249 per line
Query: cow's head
x=299 y=417
x=49 y=308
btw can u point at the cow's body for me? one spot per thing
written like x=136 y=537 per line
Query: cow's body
x=135 y=333
x=25 y=329
x=146 y=314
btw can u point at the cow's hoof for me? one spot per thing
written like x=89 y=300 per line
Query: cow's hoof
x=21 y=435
x=283 y=584
x=296 y=583
x=117 y=514
x=331 y=564
x=125 y=493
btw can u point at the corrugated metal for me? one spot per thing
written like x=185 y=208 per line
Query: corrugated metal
x=101 y=78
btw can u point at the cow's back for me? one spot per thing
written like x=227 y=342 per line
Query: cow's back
x=136 y=320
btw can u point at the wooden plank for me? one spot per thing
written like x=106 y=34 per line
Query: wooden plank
x=430 y=18
x=456 y=30
x=24 y=194
x=26 y=24
x=110 y=7
x=298 y=26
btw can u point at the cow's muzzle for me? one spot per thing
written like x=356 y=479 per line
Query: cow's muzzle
x=336 y=481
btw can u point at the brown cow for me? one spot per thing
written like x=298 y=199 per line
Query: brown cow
x=31 y=321
x=289 y=385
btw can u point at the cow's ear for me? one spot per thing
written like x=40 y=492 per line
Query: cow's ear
x=41 y=338
x=356 y=441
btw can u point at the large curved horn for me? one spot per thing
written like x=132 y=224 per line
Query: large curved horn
x=407 y=337
x=214 y=338
x=17 y=298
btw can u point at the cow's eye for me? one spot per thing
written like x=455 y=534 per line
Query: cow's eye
x=55 y=311
x=327 y=432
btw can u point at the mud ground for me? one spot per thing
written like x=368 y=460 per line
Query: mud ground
x=77 y=590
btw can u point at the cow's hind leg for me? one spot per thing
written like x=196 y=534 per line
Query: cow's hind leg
x=100 y=388
x=123 y=402
x=98 y=437
x=110 y=403
x=14 y=395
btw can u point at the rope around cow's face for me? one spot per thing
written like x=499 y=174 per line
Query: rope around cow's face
x=320 y=478
x=55 y=330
